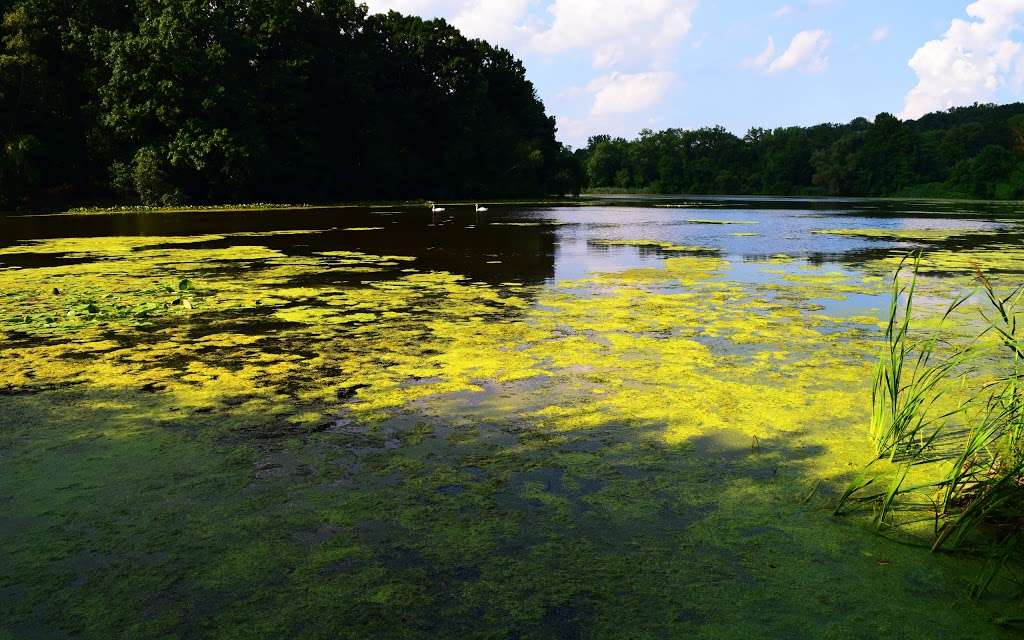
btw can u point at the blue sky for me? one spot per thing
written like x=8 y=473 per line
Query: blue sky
x=617 y=66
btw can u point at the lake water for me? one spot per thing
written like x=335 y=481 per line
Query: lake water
x=624 y=419
x=546 y=244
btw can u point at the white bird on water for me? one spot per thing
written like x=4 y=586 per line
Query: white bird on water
x=480 y=209
x=434 y=208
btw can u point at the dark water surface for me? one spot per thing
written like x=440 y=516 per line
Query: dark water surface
x=544 y=244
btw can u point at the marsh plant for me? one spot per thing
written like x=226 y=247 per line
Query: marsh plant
x=65 y=309
x=947 y=424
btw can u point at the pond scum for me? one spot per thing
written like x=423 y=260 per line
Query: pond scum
x=207 y=437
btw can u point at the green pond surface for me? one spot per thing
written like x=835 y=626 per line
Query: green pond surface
x=624 y=420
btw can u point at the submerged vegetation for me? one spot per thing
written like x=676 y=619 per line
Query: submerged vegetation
x=948 y=429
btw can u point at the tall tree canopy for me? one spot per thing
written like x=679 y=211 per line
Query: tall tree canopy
x=966 y=152
x=172 y=101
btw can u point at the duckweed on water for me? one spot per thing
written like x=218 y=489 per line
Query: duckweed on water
x=986 y=250
x=923 y=235
x=653 y=244
x=705 y=221
x=992 y=257
x=352 y=445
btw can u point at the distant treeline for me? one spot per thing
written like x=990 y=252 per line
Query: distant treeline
x=193 y=101
x=968 y=152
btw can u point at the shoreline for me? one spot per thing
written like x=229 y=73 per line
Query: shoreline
x=595 y=198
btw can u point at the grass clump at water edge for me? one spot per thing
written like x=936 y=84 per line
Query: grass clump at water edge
x=947 y=424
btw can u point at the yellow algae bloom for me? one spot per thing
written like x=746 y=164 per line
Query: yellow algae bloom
x=708 y=221
x=923 y=235
x=652 y=244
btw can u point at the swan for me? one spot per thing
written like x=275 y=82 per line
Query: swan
x=480 y=209
x=434 y=208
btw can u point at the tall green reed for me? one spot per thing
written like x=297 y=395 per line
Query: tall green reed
x=955 y=463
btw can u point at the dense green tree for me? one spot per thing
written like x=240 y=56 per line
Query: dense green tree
x=965 y=152
x=168 y=101
x=887 y=159
x=983 y=174
x=462 y=117
x=783 y=157
x=23 y=91
x=46 y=81
x=604 y=159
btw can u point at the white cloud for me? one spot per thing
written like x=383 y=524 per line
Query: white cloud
x=609 y=55
x=615 y=30
x=494 y=20
x=412 y=7
x=806 y=52
x=619 y=93
x=971 y=61
x=784 y=10
x=880 y=33
x=762 y=59
x=502 y=22
x=575 y=131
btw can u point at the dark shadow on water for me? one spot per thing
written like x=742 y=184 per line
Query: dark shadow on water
x=415 y=528
x=481 y=249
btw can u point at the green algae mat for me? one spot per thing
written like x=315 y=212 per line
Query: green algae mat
x=597 y=422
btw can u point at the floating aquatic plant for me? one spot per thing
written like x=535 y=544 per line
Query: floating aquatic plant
x=653 y=244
